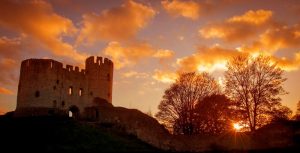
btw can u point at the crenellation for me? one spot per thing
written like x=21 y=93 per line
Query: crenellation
x=47 y=84
x=69 y=68
x=99 y=60
x=76 y=69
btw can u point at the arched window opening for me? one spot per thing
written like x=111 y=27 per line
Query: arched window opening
x=70 y=114
x=63 y=103
x=37 y=94
x=70 y=90
x=54 y=87
x=74 y=112
x=57 y=81
x=80 y=92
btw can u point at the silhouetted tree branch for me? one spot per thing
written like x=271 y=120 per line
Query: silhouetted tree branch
x=176 y=110
x=255 y=85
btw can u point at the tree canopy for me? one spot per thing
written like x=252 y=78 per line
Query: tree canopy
x=255 y=84
x=177 y=108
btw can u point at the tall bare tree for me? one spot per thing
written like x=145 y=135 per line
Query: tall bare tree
x=176 y=110
x=255 y=84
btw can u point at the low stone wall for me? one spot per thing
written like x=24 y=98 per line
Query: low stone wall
x=150 y=131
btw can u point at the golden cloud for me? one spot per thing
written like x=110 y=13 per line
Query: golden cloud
x=116 y=24
x=188 y=9
x=133 y=52
x=252 y=17
x=164 y=53
x=5 y=91
x=128 y=55
x=38 y=20
x=239 y=28
x=288 y=64
x=165 y=76
x=215 y=58
x=206 y=59
x=135 y=74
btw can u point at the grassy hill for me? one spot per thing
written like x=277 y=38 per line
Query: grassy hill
x=48 y=134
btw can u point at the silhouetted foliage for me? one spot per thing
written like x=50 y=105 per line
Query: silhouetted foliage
x=255 y=85
x=281 y=113
x=297 y=115
x=214 y=115
x=176 y=110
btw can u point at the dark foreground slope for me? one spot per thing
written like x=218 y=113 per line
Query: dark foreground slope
x=48 y=134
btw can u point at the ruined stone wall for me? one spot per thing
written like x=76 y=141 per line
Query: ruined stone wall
x=45 y=83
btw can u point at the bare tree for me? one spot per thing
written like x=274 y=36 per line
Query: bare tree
x=255 y=84
x=176 y=110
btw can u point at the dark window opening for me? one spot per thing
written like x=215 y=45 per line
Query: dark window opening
x=54 y=87
x=91 y=93
x=70 y=90
x=80 y=92
x=108 y=95
x=57 y=81
x=63 y=103
x=54 y=103
x=37 y=94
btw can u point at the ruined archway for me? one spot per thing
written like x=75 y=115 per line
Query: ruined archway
x=73 y=112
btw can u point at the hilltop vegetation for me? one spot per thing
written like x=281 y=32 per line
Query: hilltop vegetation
x=49 y=134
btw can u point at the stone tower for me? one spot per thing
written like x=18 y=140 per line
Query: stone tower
x=48 y=88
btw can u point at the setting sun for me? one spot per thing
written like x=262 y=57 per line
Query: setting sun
x=237 y=126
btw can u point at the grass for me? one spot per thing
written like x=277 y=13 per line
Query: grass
x=48 y=134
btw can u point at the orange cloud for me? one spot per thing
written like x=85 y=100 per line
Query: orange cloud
x=252 y=17
x=164 y=53
x=10 y=48
x=135 y=74
x=38 y=20
x=274 y=39
x=239 y=28
x=164 y=76
x=128 y=55
x=288 y=64
x=131 y=53
x=116 y=24
x=206 y=59
x=5 y=91
x=215 y=58
x=187 y=9
x=8 y=67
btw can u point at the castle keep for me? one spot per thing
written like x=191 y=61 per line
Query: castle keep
x=48 y=88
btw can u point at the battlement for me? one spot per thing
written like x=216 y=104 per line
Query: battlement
x=50 y=64
x=98 y=61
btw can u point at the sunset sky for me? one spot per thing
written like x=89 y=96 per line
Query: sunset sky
x=148 y=41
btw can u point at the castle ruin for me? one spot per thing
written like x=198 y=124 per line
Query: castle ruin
x=48 y=88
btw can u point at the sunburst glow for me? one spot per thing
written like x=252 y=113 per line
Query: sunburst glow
x=237 y=126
